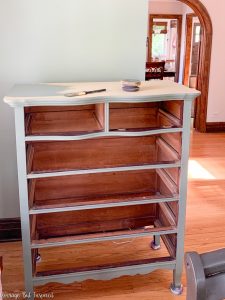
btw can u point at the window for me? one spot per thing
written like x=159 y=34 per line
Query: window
x=159 y=39
x=197 y=33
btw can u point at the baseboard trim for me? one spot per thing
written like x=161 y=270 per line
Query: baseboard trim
x=215 y=127
x=10 y=230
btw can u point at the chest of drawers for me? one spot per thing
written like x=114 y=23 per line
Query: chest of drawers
x=102 y=167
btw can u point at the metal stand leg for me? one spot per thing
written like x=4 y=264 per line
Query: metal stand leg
x=155 y=244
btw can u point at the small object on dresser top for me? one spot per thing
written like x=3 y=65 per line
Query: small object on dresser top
x=130 y=85
x=82 y=93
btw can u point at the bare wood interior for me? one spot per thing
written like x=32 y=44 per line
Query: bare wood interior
x=96 y=189
x=98 y=153
x=76 y=120
x=114 y=187
x=145 y=115
x=93 y=221
x=116 y=259
x=106 y=266
x=99 y=220
x=69 y=120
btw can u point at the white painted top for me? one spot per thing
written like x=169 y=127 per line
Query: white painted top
x=54 y=93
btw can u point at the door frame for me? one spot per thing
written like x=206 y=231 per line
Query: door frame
x=188 y=43
x=193 y=44
x=179 y=19
x=204 y=62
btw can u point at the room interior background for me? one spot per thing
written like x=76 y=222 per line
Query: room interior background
x=81 y=40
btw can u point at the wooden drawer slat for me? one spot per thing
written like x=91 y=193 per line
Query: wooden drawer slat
x=101 y=236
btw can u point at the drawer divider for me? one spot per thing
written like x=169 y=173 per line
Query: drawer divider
x=171 y=185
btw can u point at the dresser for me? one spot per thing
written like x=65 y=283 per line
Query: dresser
x=102 y=167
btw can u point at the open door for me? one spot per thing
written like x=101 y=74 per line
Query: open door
x=196 y=42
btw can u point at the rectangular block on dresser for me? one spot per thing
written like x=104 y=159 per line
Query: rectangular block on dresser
x=102 y=167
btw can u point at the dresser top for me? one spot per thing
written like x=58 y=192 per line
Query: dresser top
x=54 y=93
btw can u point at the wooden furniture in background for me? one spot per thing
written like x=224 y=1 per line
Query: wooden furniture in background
x=154 y=70
x=100 y=168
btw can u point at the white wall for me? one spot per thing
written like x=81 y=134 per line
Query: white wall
x=216 y=103
x=165 y=7
x=58 y=41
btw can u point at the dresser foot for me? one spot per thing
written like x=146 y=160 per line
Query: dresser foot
x=176 y=290
x=155 y=246
x=38 y=257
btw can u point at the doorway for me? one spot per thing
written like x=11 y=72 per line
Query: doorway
x=205 y=48
x=164 y=42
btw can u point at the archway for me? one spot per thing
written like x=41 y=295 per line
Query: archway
x=204 y=62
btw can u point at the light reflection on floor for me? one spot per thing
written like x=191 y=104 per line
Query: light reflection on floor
x=197 y=171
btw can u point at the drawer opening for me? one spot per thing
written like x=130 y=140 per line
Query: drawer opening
x=45 y=157
x=145 y=116
x=107 y=255
x=101 y=225
x=94 y=189
x=64 y=120
x=83 y=226
x=174 y=108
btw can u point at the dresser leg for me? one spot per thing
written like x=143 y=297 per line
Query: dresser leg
x=176 y=290
x=155 y=244
x=176 y=287
x=24 y=207
x=38 y=257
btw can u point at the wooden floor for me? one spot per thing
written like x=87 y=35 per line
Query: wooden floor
x=204 y=232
